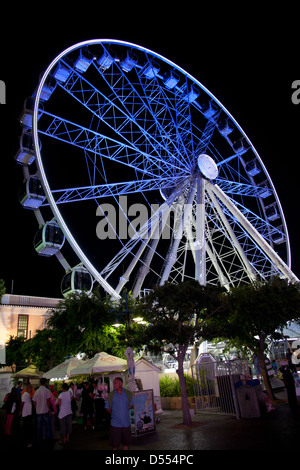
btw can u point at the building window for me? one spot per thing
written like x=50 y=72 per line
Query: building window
x=23 y=326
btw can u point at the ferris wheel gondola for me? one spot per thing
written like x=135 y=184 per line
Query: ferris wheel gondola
x=77 y=279
x=49 y=239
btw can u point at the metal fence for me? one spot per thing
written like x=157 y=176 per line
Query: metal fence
x=214 y=385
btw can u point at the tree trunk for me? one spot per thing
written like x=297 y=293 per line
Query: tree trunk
x=187 y=419
x=264 y=372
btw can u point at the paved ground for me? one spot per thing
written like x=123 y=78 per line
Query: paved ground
x=278 y=429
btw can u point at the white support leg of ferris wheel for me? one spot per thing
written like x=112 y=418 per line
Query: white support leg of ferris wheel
x=235 y=242
x=262 y=243
x=157 y=221
x=144 y=269
x=209 y=252
x=200 y=250
x=223 y=279
x=172 y=255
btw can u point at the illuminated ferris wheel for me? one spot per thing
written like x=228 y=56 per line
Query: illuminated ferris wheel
x=113 y=130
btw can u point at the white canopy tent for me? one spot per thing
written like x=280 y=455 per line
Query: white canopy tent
x=100 y=363
x=64 y=369
x=29 y=372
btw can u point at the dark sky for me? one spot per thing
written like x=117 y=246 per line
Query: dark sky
x=247 y=61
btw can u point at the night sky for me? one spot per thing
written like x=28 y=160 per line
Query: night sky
x=247 y=61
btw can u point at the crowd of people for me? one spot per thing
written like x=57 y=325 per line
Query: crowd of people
x=40 y=411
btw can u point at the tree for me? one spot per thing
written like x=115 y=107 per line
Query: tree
x=252 y=313
x=13 y=354
x=176 y=313
x=43 y=350
x=83 y=323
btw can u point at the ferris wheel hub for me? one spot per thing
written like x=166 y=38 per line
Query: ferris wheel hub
x=207 y=166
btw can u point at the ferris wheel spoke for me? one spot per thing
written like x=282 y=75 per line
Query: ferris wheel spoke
x=113 y=189
x=167 y=115
x=238 y=259
x=142 y=237
x=141 y=124
x=254 y=234
x=145 y=252
x=206 y=136
x=265 y=228
x=231 y=234
x=226 y=160
x=221 y=274
x=87 y=139
x=127 y=124
x=150 y=252
x=241 y=189
x=146 y=232
x=182 y=219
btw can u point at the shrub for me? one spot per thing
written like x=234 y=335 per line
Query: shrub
x=170 y=387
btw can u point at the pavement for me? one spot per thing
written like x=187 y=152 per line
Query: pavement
x=275 y=431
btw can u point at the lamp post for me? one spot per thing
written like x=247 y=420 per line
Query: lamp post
x=126 y=313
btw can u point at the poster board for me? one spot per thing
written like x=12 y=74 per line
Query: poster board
x=142 y=416
x=297 y=384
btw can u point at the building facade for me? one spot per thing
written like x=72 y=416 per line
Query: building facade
x=20 y=316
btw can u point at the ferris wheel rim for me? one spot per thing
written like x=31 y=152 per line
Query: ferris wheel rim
x=44 y=178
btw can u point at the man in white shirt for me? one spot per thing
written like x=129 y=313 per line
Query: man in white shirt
x=42 y=405
x=26 y=413
x=65 y=413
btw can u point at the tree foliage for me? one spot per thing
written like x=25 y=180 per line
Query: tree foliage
x=176 y=314
x=43 y=350
x=83 y=323
x=252 y=313
x=14 y=354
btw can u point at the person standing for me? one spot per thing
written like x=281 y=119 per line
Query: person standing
x=74 y=400
x=99 y=403
x=289 y=383
x=26 y=413
x=87 y=405
x=19 y=388
x=289 y=356
x=42 y=404
x=65 y=413
x=257 y=368
x=53 y=400
x=118 y=405
x=17 y=417
x=53 y=391
x=11 y=401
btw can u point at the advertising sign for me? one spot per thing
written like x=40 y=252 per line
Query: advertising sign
x=143 y=414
